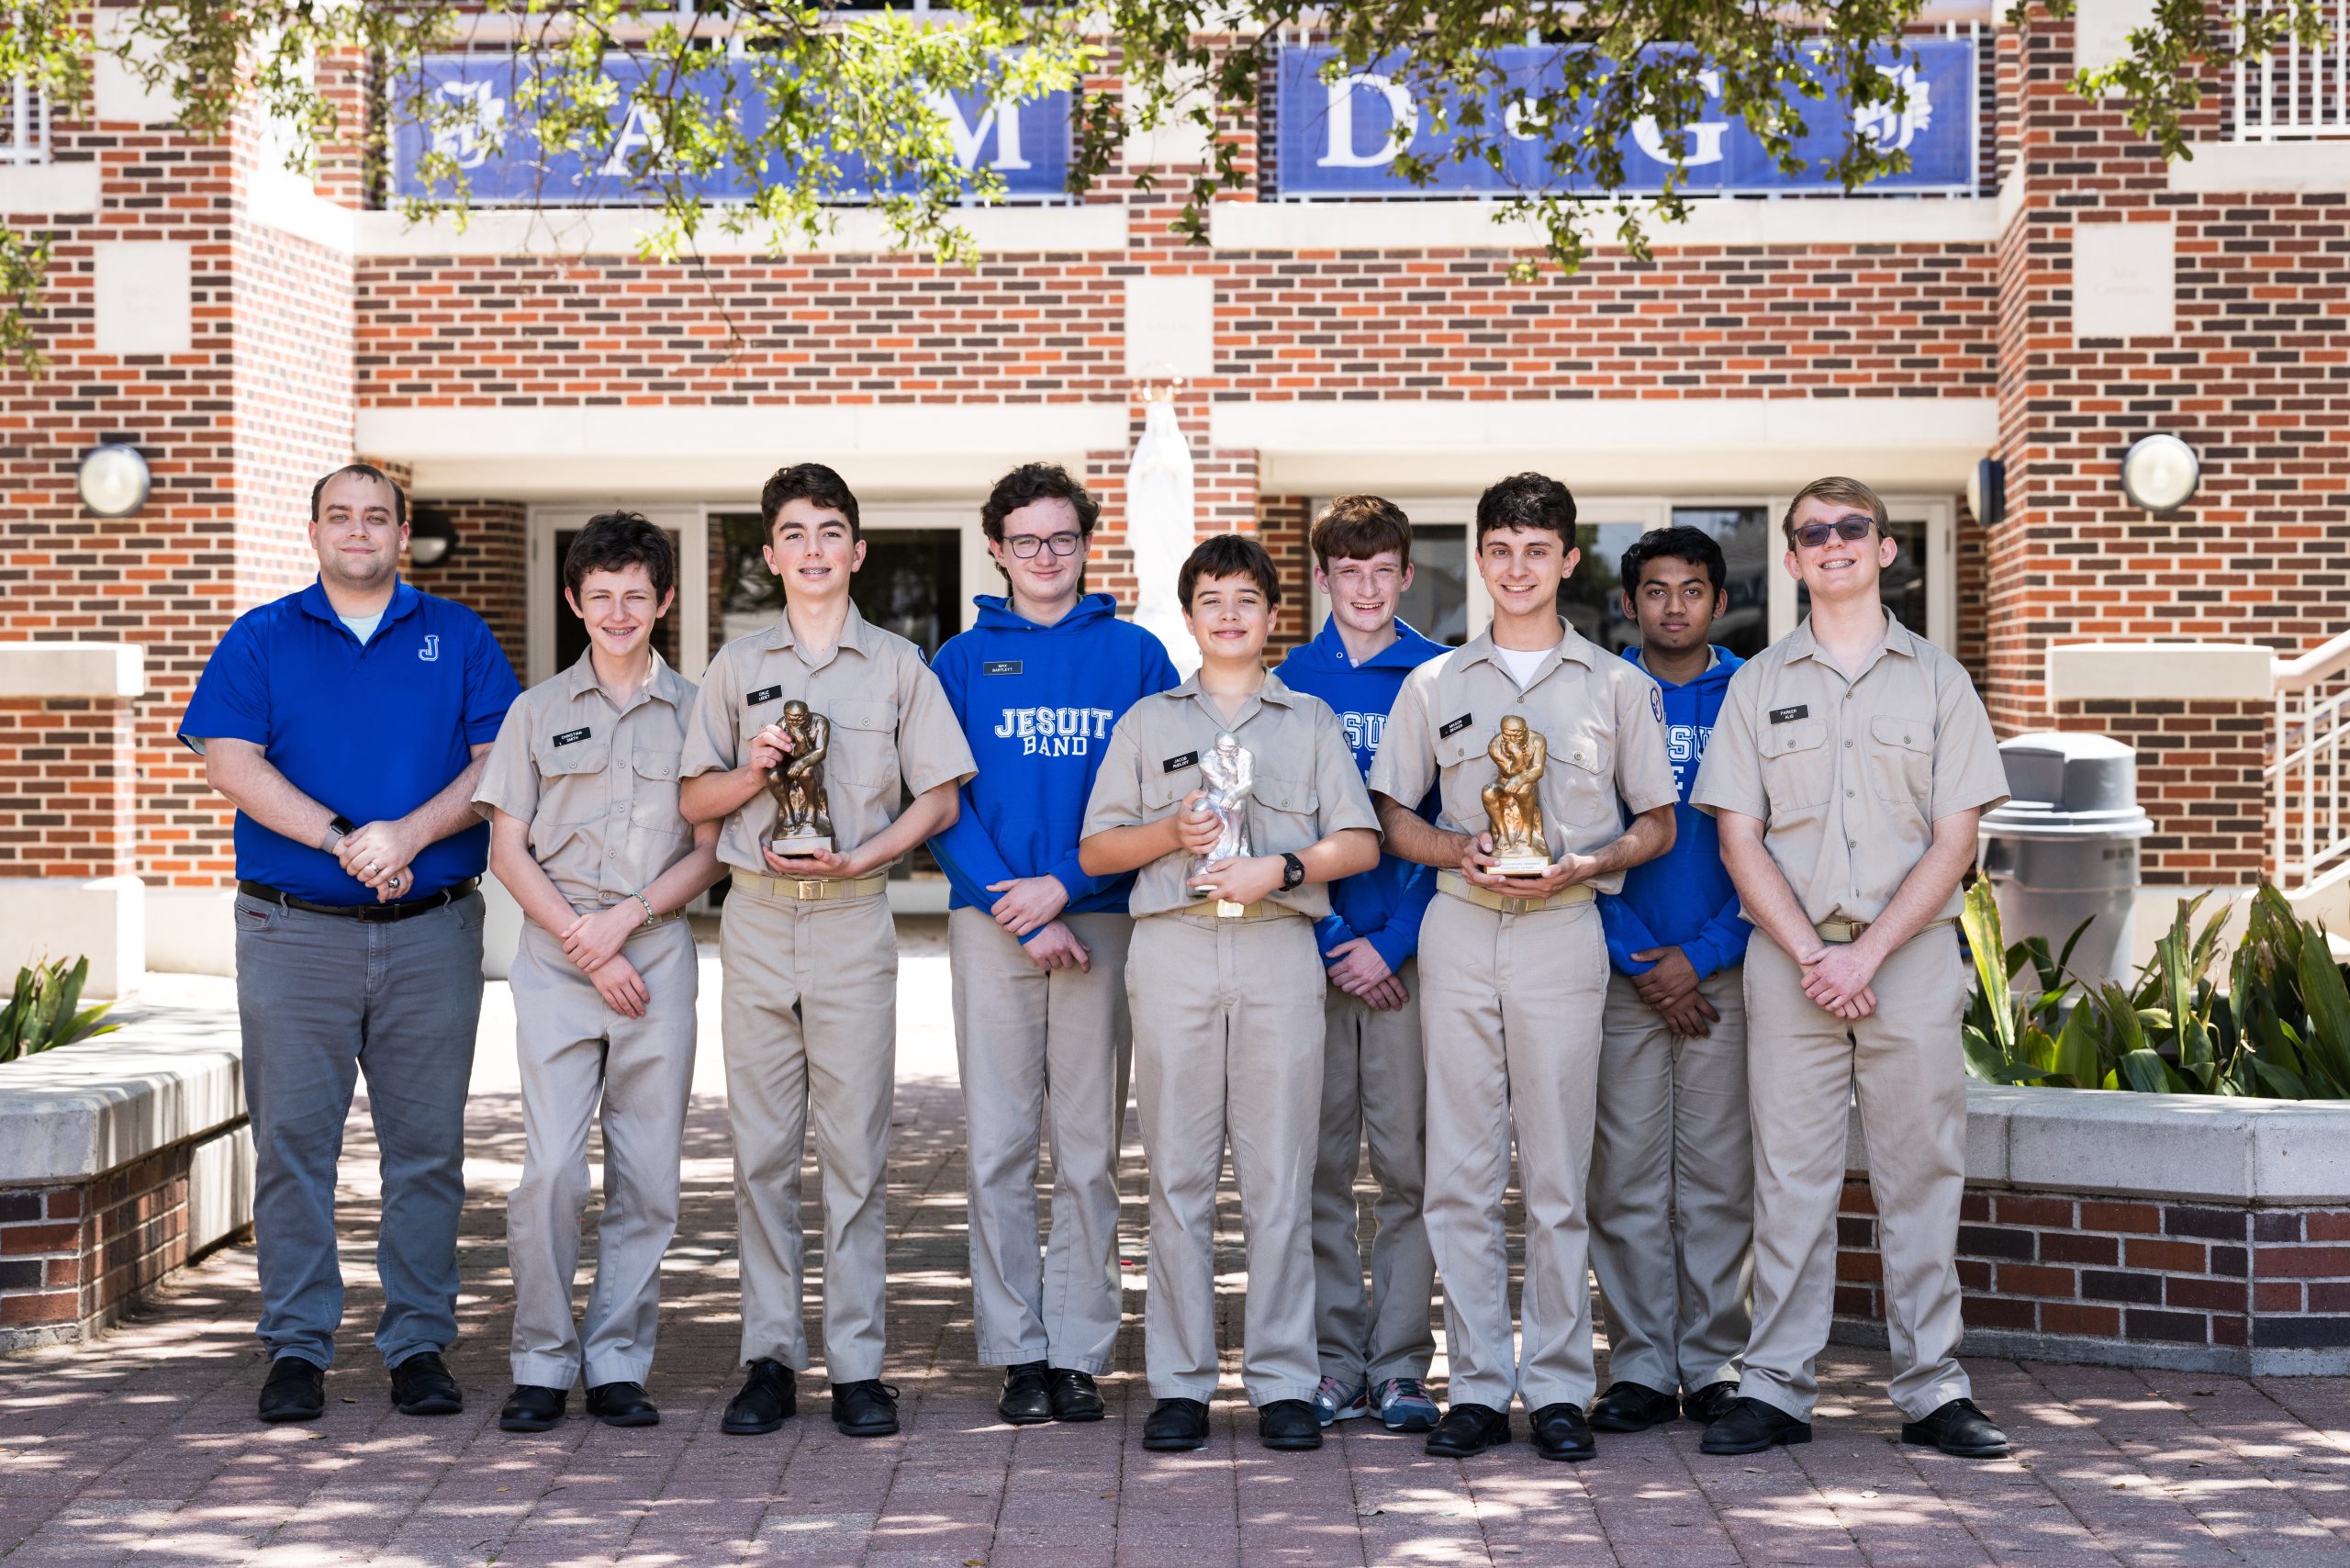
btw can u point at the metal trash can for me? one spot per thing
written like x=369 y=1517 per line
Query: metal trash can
x=2064 y=847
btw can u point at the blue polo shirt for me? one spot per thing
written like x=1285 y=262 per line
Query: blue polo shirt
x=369 y=732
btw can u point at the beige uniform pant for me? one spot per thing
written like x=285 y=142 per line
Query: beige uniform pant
x=1027 y=1039
x=576 y=1054
x=810 y=1020
x=1374 y=1087
x=1673 y=1191
x=1510 y=1004
x=1804 y=1064
x=1229 y=1042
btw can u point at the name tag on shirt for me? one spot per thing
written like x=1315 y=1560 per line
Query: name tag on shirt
x=1177 y=764
x=764 y=694
x=1788 y=715
x=1000 y=666
x=1445 y=731
x=570 y=736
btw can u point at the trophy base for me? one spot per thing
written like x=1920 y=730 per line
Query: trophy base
x=1521 y=866
x=801 y=843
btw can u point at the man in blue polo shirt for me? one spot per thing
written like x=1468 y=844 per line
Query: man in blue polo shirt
x=348 y=724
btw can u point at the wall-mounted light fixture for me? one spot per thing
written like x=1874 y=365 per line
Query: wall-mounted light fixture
x=2160 y=473
x=432 y=536
x=113 y=479
x=1986 y=493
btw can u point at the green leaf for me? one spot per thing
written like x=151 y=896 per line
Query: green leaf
x=1980 y=918
x=2329 y=1010
x=2146 y=1072
x=2078 y=1056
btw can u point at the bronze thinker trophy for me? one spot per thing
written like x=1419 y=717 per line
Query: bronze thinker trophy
x=1228 y=771
x=1513 y=801
x=804 y=816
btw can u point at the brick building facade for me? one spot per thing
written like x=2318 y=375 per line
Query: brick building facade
x=247 y=328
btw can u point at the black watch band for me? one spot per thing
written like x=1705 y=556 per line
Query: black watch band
x=1292 y=870
x=342 y=825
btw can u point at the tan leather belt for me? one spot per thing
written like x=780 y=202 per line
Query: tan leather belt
x=1459 y=887
x=1843 y=931
x=812 y=889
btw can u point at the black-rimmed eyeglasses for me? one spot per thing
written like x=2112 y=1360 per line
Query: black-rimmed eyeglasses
x=1025 y=544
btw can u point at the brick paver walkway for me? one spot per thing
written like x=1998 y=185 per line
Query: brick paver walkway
x=142 y=1447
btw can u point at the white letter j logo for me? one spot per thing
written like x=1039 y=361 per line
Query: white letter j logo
x=431 y=649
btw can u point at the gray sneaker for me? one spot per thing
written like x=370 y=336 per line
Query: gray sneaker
x=1336 y=1401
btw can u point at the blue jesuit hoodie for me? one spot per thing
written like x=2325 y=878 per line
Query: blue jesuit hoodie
x=1037 y=704
x=1683 y=898
x=1385 y=902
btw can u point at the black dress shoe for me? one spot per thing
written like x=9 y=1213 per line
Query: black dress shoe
x=1026 y=1401
x=1707 y=1404
x=421 y=1387
x=769 y=1397
x=531 y=1407
x=622 y=1404
x=1560 y=1432
x=1469 y=1429
x=1749 y=1425
x=866 y=1408
x=1176 y=1426
x=1958 y=1427
x=296 y=1390
x=1289 y=1424
x=1074 y=1396
x=1629 y=1407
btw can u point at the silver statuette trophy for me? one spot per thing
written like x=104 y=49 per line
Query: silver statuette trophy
x=1227 y=772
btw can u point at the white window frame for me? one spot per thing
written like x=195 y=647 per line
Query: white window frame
x=1653 y=512
x=24 y=132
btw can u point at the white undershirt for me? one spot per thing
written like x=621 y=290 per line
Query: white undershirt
x=363 y=626
x=1522 y=663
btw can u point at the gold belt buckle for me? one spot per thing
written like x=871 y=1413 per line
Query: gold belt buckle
x=810 y=888
x=1226 y=909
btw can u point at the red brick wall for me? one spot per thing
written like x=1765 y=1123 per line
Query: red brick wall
x=67 y=793
x=489 y=571
x=2200 y=767
x=74 y=1258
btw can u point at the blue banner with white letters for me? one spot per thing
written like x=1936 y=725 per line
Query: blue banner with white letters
x=486 y=134
x=1340 y=137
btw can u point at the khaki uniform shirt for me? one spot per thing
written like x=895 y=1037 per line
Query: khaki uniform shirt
x=1603 y=718
x=1849 y=776
x=596 y=782
x=892 y=729
x=1307 y=787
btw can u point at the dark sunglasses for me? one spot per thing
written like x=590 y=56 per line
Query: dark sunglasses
x=1851 y=530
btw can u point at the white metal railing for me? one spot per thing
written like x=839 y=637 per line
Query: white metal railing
x=2294 y=93
x=23 y=128
x=2308 y=825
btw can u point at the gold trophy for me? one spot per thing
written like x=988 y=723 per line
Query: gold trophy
x=1513 y=801
x=803 y=816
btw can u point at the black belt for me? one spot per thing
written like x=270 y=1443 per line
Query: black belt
x=379 y=912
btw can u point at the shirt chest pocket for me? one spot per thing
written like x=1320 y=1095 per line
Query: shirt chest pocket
x=575 y=782
x=1901 y=759
x=1798 y=768
x=865 y=742
x=653 y=803
x=1163 y=792
x=1283 y=814
x=1582 y=772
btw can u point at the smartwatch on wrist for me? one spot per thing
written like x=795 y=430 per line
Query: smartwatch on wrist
x=339 y=827
x=1292 y=870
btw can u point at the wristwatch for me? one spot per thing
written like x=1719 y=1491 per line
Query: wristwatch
x=1292 y=870
x=339 y=827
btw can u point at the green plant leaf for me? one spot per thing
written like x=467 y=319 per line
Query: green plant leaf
x=1980 y=916
x=2078 y=1056
x=2145 y=1072
x=2328 y=1041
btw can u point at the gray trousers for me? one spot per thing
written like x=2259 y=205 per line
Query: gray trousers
x=1227 y=1043
x=322 y=999
x=575 y=1055
x=1673 y=1191
x=1374 y=1089
x=1028 y=1041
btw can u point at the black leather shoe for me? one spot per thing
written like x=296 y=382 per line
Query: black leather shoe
x=421 y=1387
x=1749 y=1425
x=1629 y=1407
x=1958 y=1427
x=531 y=1407
x=1469 y=1429
x=770 y=1397
x=296 y=1390
x=622 y=1404
x=1289 y=1424
x=866 y=1408
x=1560 y=1432
x=1026 y=1401
x=1707 y=1404
x=1176 y=1426
x=1074 y=1396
